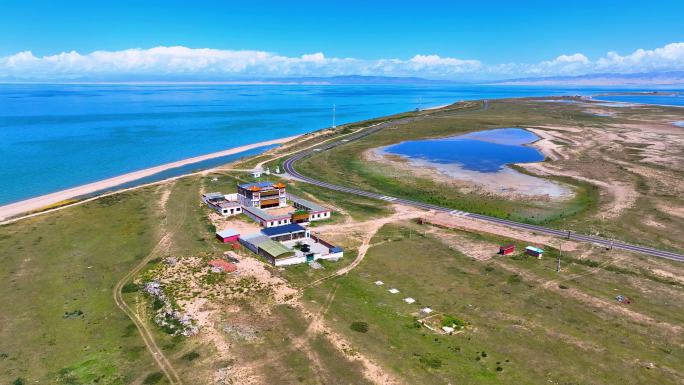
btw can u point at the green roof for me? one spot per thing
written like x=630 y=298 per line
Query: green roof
x=275 y=249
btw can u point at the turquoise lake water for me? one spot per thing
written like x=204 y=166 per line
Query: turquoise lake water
x=54 y=137
x=483 y=151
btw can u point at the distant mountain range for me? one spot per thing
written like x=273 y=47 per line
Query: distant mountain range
x=361 y=79
x=604 y=79
x=674 y=78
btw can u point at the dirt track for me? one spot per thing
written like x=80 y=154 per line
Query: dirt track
x=157 y=354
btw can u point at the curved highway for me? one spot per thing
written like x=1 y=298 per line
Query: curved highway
x=289 y=166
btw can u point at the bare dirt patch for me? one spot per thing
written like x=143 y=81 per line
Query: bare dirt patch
x=241 y=224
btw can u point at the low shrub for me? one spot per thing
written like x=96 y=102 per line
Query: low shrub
x=452 y=321
x=431 y=361
x=153 y=378
x=190 y=356
x=359 y=326
x=130 y=288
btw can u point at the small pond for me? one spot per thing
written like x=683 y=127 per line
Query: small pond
x=479 y=159
x=484 y=151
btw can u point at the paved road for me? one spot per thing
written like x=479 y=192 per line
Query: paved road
x=289 y=166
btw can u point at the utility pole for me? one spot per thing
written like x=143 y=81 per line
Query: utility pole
x=560 y=254
x=333 y=126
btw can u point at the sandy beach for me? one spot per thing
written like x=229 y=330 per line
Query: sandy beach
x=40 y=202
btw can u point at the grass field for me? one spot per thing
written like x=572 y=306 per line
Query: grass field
x=59 y=320
x=518 y=332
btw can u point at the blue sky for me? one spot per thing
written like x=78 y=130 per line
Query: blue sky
x=493 y=33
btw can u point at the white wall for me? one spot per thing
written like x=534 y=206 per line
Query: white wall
x=290 y=261
x=333 y=256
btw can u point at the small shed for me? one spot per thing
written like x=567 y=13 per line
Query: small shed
x=534 y=251
x=227 y=236
x=507 y=249
x=222 y=265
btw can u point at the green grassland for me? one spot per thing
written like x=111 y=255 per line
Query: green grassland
x=59 y=320
x=517 y=333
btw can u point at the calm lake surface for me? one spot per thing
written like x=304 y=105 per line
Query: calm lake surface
x=669 y=100
x=54 y=137
x=484 y=151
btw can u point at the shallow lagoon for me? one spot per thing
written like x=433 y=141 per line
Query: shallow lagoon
x=480 y=158
x=483 y=151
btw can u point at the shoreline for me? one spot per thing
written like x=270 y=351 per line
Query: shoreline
x=32 y=204
x=507 y=182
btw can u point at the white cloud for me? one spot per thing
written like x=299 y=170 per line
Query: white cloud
x=214 y=64
x=667 y=58
x=204 y=62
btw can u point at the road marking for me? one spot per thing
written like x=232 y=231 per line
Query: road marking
x=459 y=213
x=388 y=199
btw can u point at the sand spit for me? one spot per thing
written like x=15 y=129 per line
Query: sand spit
x=43 y=201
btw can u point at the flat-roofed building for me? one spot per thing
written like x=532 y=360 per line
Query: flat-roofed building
x=267 y=219
x=227 y=236
x=534 y=251
x=262 y=195
x=307 y=211
x=221 y=204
